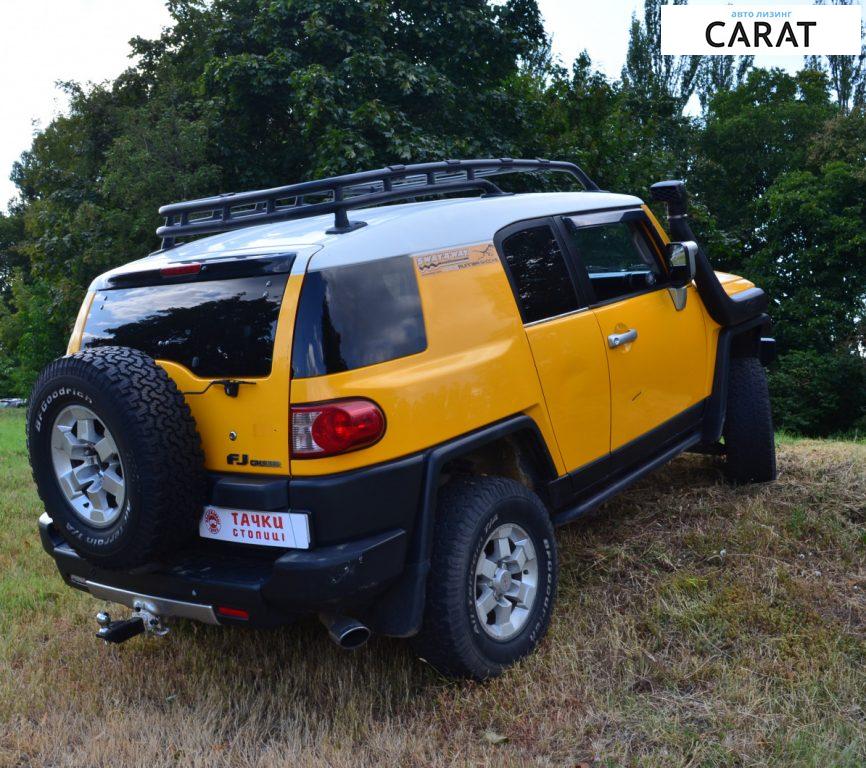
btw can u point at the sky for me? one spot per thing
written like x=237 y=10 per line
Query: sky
x=45 y=41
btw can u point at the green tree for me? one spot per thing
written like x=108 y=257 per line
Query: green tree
x=250 y=93
x=847 y=73
x=810 y=256
x=754 y=133
x=781 y=168
x=720 y=73
x=665 y=82
x=818 y=393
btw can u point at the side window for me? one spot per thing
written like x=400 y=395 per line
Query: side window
x=541 y=280
x=617 y=257
x=357 y=315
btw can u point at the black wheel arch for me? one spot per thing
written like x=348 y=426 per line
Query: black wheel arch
x=400 y=610
x=742 y=340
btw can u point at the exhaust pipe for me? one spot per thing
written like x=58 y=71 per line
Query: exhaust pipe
x=350 y=634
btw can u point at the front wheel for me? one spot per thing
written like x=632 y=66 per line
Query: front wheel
x=493 y=578
x=750 y=446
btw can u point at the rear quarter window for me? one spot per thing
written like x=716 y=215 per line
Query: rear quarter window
x=357 y=315
x=539 y=275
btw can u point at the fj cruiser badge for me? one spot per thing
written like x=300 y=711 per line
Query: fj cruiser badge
x=243 y=459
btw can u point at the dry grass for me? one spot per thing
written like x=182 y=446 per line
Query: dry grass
x=697 y=625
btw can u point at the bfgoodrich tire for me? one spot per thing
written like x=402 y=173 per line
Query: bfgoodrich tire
x=493 y=578
x=115 y=456
x=750 y=445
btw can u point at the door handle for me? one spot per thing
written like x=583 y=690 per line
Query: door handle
x=618 y=339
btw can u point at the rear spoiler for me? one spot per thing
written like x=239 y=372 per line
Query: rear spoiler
x=724 y=309
x=194 y=270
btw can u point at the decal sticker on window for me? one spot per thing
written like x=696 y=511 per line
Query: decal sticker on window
x=455 y=258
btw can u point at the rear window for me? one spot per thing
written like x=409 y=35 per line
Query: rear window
x=539 y=274
x=215 y=328
x=357 y=315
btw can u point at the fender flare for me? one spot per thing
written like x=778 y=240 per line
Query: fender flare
x=742 y=340
x=399 y=612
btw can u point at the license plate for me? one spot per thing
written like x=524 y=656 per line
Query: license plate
x=264 y=529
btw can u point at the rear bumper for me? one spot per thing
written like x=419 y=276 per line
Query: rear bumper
x=372 y=539
x=361 y=525
x=273 y=590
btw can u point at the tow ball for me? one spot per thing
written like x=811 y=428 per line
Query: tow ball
x=143 y=619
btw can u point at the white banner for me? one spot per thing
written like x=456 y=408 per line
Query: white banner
x=774 y=30
x=246 y=526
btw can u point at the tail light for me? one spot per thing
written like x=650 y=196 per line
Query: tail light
x=328 y=429
x=191 y=268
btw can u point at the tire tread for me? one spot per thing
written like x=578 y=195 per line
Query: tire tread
x=749 y=438
x=169 y=456
x=443 y=640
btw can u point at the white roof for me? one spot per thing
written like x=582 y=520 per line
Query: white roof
x=395 y=229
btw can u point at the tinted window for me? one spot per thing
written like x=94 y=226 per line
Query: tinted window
x=617 y=257
x=214 y=328
x=540 y=276
x=357 y=315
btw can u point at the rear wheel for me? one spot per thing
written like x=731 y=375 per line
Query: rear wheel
x=493 y=577
x=749 y=438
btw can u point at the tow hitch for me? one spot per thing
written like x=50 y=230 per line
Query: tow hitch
x=143 y=619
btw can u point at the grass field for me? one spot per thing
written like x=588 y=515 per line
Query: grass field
x=697 y=625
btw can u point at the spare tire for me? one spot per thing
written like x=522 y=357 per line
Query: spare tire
x=116 y=456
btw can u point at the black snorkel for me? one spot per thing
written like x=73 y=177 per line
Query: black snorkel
x=724 y=309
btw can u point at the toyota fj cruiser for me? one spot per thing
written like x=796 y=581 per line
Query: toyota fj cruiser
x=381 y=419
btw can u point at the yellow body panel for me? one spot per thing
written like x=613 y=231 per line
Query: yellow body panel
x=480 y=365
x=259 y=415
x=734 y=283
x=477 y=368
x=572 y=366
x=731 y=283
x=660 y=374
x=656 y=225
x=75 y=338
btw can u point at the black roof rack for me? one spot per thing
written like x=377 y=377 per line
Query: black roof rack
x=339 y=194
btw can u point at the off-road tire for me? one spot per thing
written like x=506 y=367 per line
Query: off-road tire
x=157 y=440
x=750 y=446
x=468 y=509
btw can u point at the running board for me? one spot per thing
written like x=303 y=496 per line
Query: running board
x=621 y=483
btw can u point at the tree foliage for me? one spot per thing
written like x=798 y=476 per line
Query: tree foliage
x=847 y=73
x=249 y=93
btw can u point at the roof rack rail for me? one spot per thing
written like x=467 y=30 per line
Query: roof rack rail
x=339 y=194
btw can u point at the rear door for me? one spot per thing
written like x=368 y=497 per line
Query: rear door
x=656 y=355
x=564 y=337
x=222 y=329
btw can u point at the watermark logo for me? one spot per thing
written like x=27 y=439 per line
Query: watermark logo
x=781 y=30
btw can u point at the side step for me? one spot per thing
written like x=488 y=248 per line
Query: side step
x=623 y=481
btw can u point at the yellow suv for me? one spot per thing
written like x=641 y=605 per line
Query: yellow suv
x=378 y=411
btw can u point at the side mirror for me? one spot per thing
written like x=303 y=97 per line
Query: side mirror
x=680 y=258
